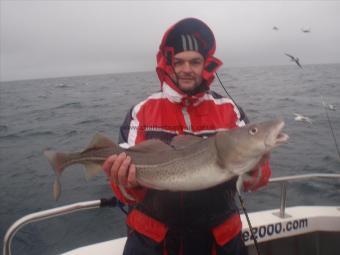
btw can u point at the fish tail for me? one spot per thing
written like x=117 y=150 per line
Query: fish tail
x=57 y=160
x=56 y=189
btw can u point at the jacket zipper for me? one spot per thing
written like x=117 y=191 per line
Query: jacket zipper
x=186 y=115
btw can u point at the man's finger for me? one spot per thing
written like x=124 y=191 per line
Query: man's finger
x=116 y=165
x=108 y=164
x=123 y=171
x=131 y=180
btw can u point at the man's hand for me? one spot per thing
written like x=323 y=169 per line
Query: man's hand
x=121 y=170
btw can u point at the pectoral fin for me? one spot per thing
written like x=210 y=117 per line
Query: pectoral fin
x=92 y=169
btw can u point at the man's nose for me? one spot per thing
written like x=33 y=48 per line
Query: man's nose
x=187 y=67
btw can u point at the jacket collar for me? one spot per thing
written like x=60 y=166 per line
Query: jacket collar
x=176 y=96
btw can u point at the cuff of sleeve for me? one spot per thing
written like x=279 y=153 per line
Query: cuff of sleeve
x=258 y=178
x=138 y=193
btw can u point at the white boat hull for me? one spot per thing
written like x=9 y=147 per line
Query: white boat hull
x=268 y=227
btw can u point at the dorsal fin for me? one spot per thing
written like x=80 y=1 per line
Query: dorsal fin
x=100 y=141
x=181 y=141
x=151 y=145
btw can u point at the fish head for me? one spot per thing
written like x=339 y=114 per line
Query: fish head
x=272 y=134
x=243 y=147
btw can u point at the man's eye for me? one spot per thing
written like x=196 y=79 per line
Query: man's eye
x=196 y=62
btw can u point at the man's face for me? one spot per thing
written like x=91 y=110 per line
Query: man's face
x=188 y=66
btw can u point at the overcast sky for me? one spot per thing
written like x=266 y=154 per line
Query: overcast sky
x=65 y=38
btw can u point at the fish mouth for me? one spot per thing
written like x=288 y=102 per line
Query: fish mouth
x=281 y=138
x=276 y=137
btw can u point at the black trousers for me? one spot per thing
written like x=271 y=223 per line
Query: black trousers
x=138 y=244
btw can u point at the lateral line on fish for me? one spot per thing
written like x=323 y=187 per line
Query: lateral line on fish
x=174 y=160
x=72 y=161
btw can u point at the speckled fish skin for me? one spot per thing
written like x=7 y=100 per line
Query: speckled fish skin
x=189 y=163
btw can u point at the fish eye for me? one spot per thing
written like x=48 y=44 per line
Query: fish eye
x=253 y=130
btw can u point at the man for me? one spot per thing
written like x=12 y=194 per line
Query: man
x=200 y=222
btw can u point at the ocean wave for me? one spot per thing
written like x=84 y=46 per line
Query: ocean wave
x=63 y=86
x=3 y=128
x=9 y=136
x=77 y=105
x=287 y=99
x=251 y=111
x=331 y=158
x=29 y=114
x=71 y=133
x=27 y=134
x=88 y=121
x=40 y=133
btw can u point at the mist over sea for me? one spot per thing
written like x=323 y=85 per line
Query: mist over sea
x=64 y=114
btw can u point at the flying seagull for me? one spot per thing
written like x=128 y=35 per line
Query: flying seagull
x=305 y=30
x=299 y=117
x=327 y=106
x=331 y=107
x=275 y=28
x=296 y=60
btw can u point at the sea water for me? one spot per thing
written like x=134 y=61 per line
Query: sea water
x=64 y=114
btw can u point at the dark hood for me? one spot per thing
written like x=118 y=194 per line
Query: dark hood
x=165 y=54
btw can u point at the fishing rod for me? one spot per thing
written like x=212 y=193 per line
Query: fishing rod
x=232 y=99
x=330 y=126
x=239 y=195
x=249 y=224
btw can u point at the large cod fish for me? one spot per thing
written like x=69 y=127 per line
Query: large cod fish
x=189 y=163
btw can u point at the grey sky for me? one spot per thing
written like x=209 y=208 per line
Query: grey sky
x=65 y=38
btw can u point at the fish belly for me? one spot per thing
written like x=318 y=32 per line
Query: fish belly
x=198 y=172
